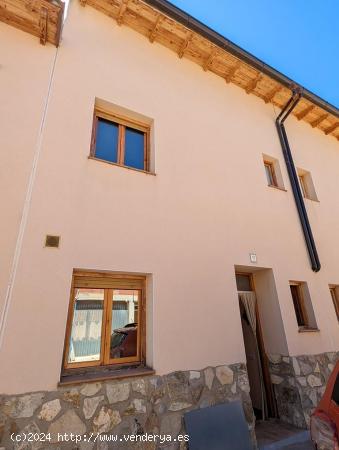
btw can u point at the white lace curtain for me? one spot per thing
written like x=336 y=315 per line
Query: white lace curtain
x=249 y=300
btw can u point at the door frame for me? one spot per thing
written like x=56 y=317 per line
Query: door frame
x=271 y=401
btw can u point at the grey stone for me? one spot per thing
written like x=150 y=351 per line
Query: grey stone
x=137 y=406
x=179 y=393
x=67 y=423
x=171 y=424
x=306 y=369
x=90 y=389
x=276 y=379
x=209 y=377
x=194 y=375
x=330 y=367
x=106 y=420
x=314 y=381
x=139 y=386
x=72 y=396
x=243 y=382
x=302 y=381
x=90 y=405
x=23 y=406
x=177 y=406
x=296 y=366
x=25 y=444
x=117 y=392
x=317 y=368
x=50 y=410
x=234 y=388
x=274 y=359
x=224 y=374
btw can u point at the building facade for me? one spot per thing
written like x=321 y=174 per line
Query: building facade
x=150 y=227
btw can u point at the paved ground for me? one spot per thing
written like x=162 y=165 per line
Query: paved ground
x=303 y=446
x=275 y=435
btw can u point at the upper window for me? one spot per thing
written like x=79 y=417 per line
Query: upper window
x=273 y=172
x=335 y=298
x=270 y=174
x=106 y=321
x=120 y=141
x=302 y=305
x=306 y=185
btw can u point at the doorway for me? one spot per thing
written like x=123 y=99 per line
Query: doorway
x=261 y=391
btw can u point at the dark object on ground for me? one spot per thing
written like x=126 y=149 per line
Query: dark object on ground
x=221 y=427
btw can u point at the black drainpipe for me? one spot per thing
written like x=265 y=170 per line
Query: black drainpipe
x=299 y=200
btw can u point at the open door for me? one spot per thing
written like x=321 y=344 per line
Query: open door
x=257 y=363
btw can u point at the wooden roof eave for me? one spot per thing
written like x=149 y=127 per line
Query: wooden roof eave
x=162 y=22
x=41 y=18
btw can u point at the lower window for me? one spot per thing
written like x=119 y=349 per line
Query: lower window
x=106 y=323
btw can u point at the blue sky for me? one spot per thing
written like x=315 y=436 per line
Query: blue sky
x=300 y=38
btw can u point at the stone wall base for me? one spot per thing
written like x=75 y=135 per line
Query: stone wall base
x=299 y=383
x=153 y=405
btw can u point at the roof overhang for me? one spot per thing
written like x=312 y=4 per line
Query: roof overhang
x=166 y=24
x=41 y=18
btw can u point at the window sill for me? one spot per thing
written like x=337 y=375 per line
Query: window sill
x=315 y=200
x=78 y=376
x=123 y=167
x=308 y=330
x=277 y=187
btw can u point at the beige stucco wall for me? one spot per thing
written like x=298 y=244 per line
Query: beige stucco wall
x=25 y=68
x=206 y=208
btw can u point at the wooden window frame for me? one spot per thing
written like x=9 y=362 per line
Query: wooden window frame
x=303 y=186
x=270 y=166
x=335 y=299
x=301 y=303
x=122 y=123
x=108 y=282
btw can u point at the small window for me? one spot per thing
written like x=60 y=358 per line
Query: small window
x=120 y=141
x=244 y=282
x=302 y=305
x=306 y=185
x=270 y=174
x=334 y=290
x=106 y=324
x=273 y=172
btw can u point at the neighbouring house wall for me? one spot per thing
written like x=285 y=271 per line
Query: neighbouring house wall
x=153 y=405
x=205 y=210
x=25 y=68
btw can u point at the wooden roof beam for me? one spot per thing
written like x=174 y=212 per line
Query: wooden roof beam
x=304 y=112
x=43 y=24
x=253 y=83
x=232 y=71
x=122 y=10
x=155 y=29
x=185 y=45
x=330 y=129
x=83 y=2
x=270 y=96
x=207 y=63
x=318 y=121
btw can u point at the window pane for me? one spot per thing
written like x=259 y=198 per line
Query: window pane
x=297 y=305
x=134 y=148
x=269 y=175
x=124 y=333
x=244 y=283
x=107 y=140
x=85 y=340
